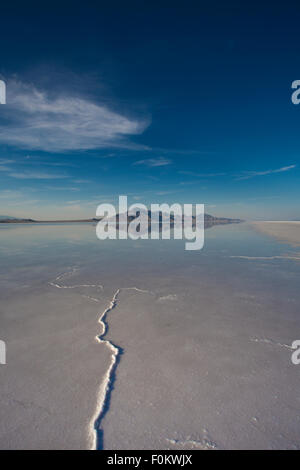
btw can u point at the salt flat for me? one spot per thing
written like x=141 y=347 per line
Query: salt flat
x=288 y=231
x=204 y=341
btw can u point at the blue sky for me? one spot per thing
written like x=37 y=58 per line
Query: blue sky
x=164 y=102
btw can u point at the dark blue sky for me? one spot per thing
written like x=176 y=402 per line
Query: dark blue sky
x=163 y=101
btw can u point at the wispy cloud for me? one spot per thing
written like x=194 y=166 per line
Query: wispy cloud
x=10 y=194
x=77 y=201
x=165 y=193
x=6 y=161
x=154 y=162
x=187 y=183
x=4 y=168
x=200 y=175
x=185 y=152
x=36 y=175
x=37 y=120
x=61 y=188
x=3 y=164
x=252 y=174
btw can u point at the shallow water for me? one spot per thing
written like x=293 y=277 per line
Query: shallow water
x=206 y=358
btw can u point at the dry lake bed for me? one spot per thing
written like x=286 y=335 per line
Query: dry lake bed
x=142 y=345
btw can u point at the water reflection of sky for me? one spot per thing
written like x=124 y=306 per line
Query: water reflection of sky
x=57 y=246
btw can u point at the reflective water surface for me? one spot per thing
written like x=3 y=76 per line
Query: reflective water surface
x=205 y=339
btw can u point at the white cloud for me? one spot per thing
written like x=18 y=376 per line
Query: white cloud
x=36 y=120
x=3 y=164
x=153 y=162
x=10 y=194
x=5 y=161
x=165 y=193
x=200 y=175
x=61 y=188
x=252 y=174
x=38 y=175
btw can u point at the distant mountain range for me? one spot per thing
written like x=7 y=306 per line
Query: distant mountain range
x=209 y=220
x=6 y=219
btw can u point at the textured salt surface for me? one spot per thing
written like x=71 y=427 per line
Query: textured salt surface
x=203 y=374
x=285 y=231
x=193 y=350
x=102 y=405
x=49 y=384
